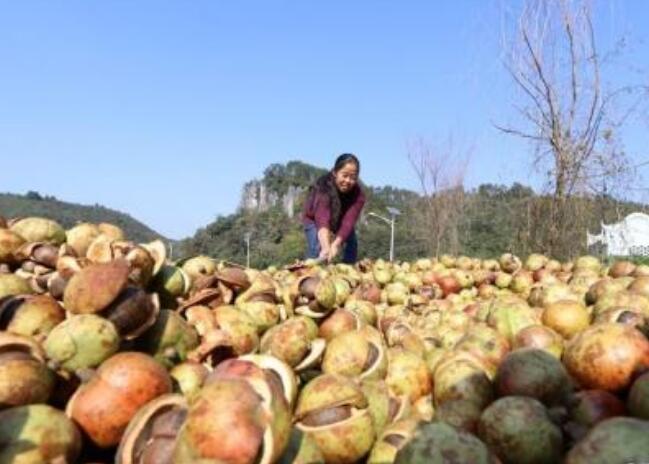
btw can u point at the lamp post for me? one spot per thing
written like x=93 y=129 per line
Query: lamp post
x=393 y=214
x=246 y=237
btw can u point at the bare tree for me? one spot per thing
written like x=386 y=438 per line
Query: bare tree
x=568 y=114
x=441 y=175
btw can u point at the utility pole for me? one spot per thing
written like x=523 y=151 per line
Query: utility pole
x=247 y=239
x=393 y=214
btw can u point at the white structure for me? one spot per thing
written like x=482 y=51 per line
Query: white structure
x=629 y=237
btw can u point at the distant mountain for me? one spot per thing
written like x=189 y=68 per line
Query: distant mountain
x=271 y=207
x=68 y=214
x=493 y=219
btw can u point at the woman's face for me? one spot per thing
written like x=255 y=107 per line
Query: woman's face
x=346 y=178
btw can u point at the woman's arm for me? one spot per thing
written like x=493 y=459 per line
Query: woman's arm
x=322 y=217
x=324 y=237
x=347 y=224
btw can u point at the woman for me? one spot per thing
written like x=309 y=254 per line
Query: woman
x=331 y=210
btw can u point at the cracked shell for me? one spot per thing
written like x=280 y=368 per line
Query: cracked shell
x=169 y=339
x=37 y=434
x=82 y=341
x=171 y=283
x=151 y=435
x=359 y=353
x=294 y=342
x=11 y=284
x=95 y=287
x=408 y=374
x=393 y=438
x=333 y=411
x=32 y=316
x=235 y=419
x=10 y=242
x=24 y=377
x=38 y=229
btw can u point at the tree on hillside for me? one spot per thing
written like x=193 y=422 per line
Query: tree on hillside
x=568 y=113
x=441 y=174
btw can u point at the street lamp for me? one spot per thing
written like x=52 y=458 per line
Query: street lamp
x=246 y=237
x=394 y=212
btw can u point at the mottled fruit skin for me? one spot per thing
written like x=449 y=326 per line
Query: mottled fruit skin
x=408 y=374
x=541 y=337
x=9 y=243
x=343 y=440
x=151 y=435
x=461 y=379
x=36 y=316
x=82 y=341
x=23 y=380
x=104 y=406
x=619 y=440
x=588 y=407
x=519 y=431
x=95 y=287
x=290 y=341
x=11 y=284
x=638 y=399
x=461 y=414
x=606 y=356
x=38 y=229
x=439 y=443
x=37 y=434
x=169 y=339
x=566 y=317
x=226 y=423
x=349 y=354
x=301 y=449
x=391 y=441
x=534 y=373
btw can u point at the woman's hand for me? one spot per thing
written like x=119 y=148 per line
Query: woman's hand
x=324 y=254
x=334 y=249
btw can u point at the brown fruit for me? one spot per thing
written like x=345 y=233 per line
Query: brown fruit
x=607 y=356
x=566 y=317
x=125 y=382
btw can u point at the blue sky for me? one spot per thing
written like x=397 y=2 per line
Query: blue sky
x=164 y=109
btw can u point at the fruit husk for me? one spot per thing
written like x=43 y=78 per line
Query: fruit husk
x=519 y=431
x=616 y=440
x=37 y=434
x=638 y=399
x=439 y=443
x=533 y=373
x=94 y=287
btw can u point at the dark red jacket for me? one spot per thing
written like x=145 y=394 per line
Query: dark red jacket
x=318 y=212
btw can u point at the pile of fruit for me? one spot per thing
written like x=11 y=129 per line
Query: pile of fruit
x=110 y=352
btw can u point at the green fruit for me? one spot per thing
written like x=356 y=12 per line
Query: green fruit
x=11 y=284
x=518 y=429
x=620 y=440
x=37 y=229
x=638 y=400
x=533 y=373
x=461 y=414
x=37 y=434
x=439 y=443
x=82 y=341
x=169 y=339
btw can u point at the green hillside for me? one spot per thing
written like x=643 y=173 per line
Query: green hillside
x=68 y=214
x=491 y=219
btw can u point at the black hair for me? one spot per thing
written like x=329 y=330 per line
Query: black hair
x=344 y=159
x=325 y=184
